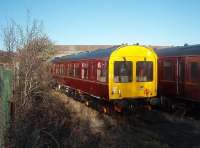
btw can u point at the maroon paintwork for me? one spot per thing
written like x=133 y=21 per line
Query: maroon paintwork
x=179 y=87
x=89 y=86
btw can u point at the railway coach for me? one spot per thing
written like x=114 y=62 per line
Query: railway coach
x=179 y=75
x=122 y=75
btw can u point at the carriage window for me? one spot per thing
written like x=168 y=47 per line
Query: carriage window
x=123 y=71
x=193 y=71
x=57 y=68
x=181 y=71
x=62 y=69
x=66 y=69
x=93 y=71
x=71 y=70
x=168 y=70
x=84 y=72
x=77 y=70
x=54 y=68
x=101 y=71
x=144 y=71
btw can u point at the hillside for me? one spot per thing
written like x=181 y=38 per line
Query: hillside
x=70 y=49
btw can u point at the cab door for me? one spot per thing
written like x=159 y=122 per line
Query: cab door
x=122 y=79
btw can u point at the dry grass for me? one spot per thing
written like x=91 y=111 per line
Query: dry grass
x=63 y=122
x=46 y=124
x=140 y=129
x=110 y=132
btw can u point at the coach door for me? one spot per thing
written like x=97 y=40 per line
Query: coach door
x=169 y=76
x=192 y=87
x=180 y=77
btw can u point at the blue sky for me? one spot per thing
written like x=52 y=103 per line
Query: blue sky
x=156 y=22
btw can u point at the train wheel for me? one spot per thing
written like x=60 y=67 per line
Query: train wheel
x=148 y=107
x=82 y=98
x=166 y=104
x=67 y=91
x=76 y=95
x=118 y=109
x=87 y=103
x=106 y=110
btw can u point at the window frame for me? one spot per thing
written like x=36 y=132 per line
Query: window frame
x=172 y=72
x=145 y=73
x=93 y=71
x=71 y=70
x=102 y=71
x=77 y=69
x=190 y=72
x=85 y=67
x=130 y=77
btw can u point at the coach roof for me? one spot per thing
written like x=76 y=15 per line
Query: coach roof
x=179 y=50
x=99 y=53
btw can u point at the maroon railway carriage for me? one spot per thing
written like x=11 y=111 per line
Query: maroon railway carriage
x=179 y=72
x=85 y=73
x=124 y=76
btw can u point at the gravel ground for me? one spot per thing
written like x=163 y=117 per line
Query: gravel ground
x=138 y=129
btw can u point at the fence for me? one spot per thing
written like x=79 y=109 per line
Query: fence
x=5 y=94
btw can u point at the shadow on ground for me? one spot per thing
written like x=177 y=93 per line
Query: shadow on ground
x=139 y=129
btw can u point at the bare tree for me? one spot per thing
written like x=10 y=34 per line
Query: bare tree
x=10 y=40
x=9 y=36
x=32 y=47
